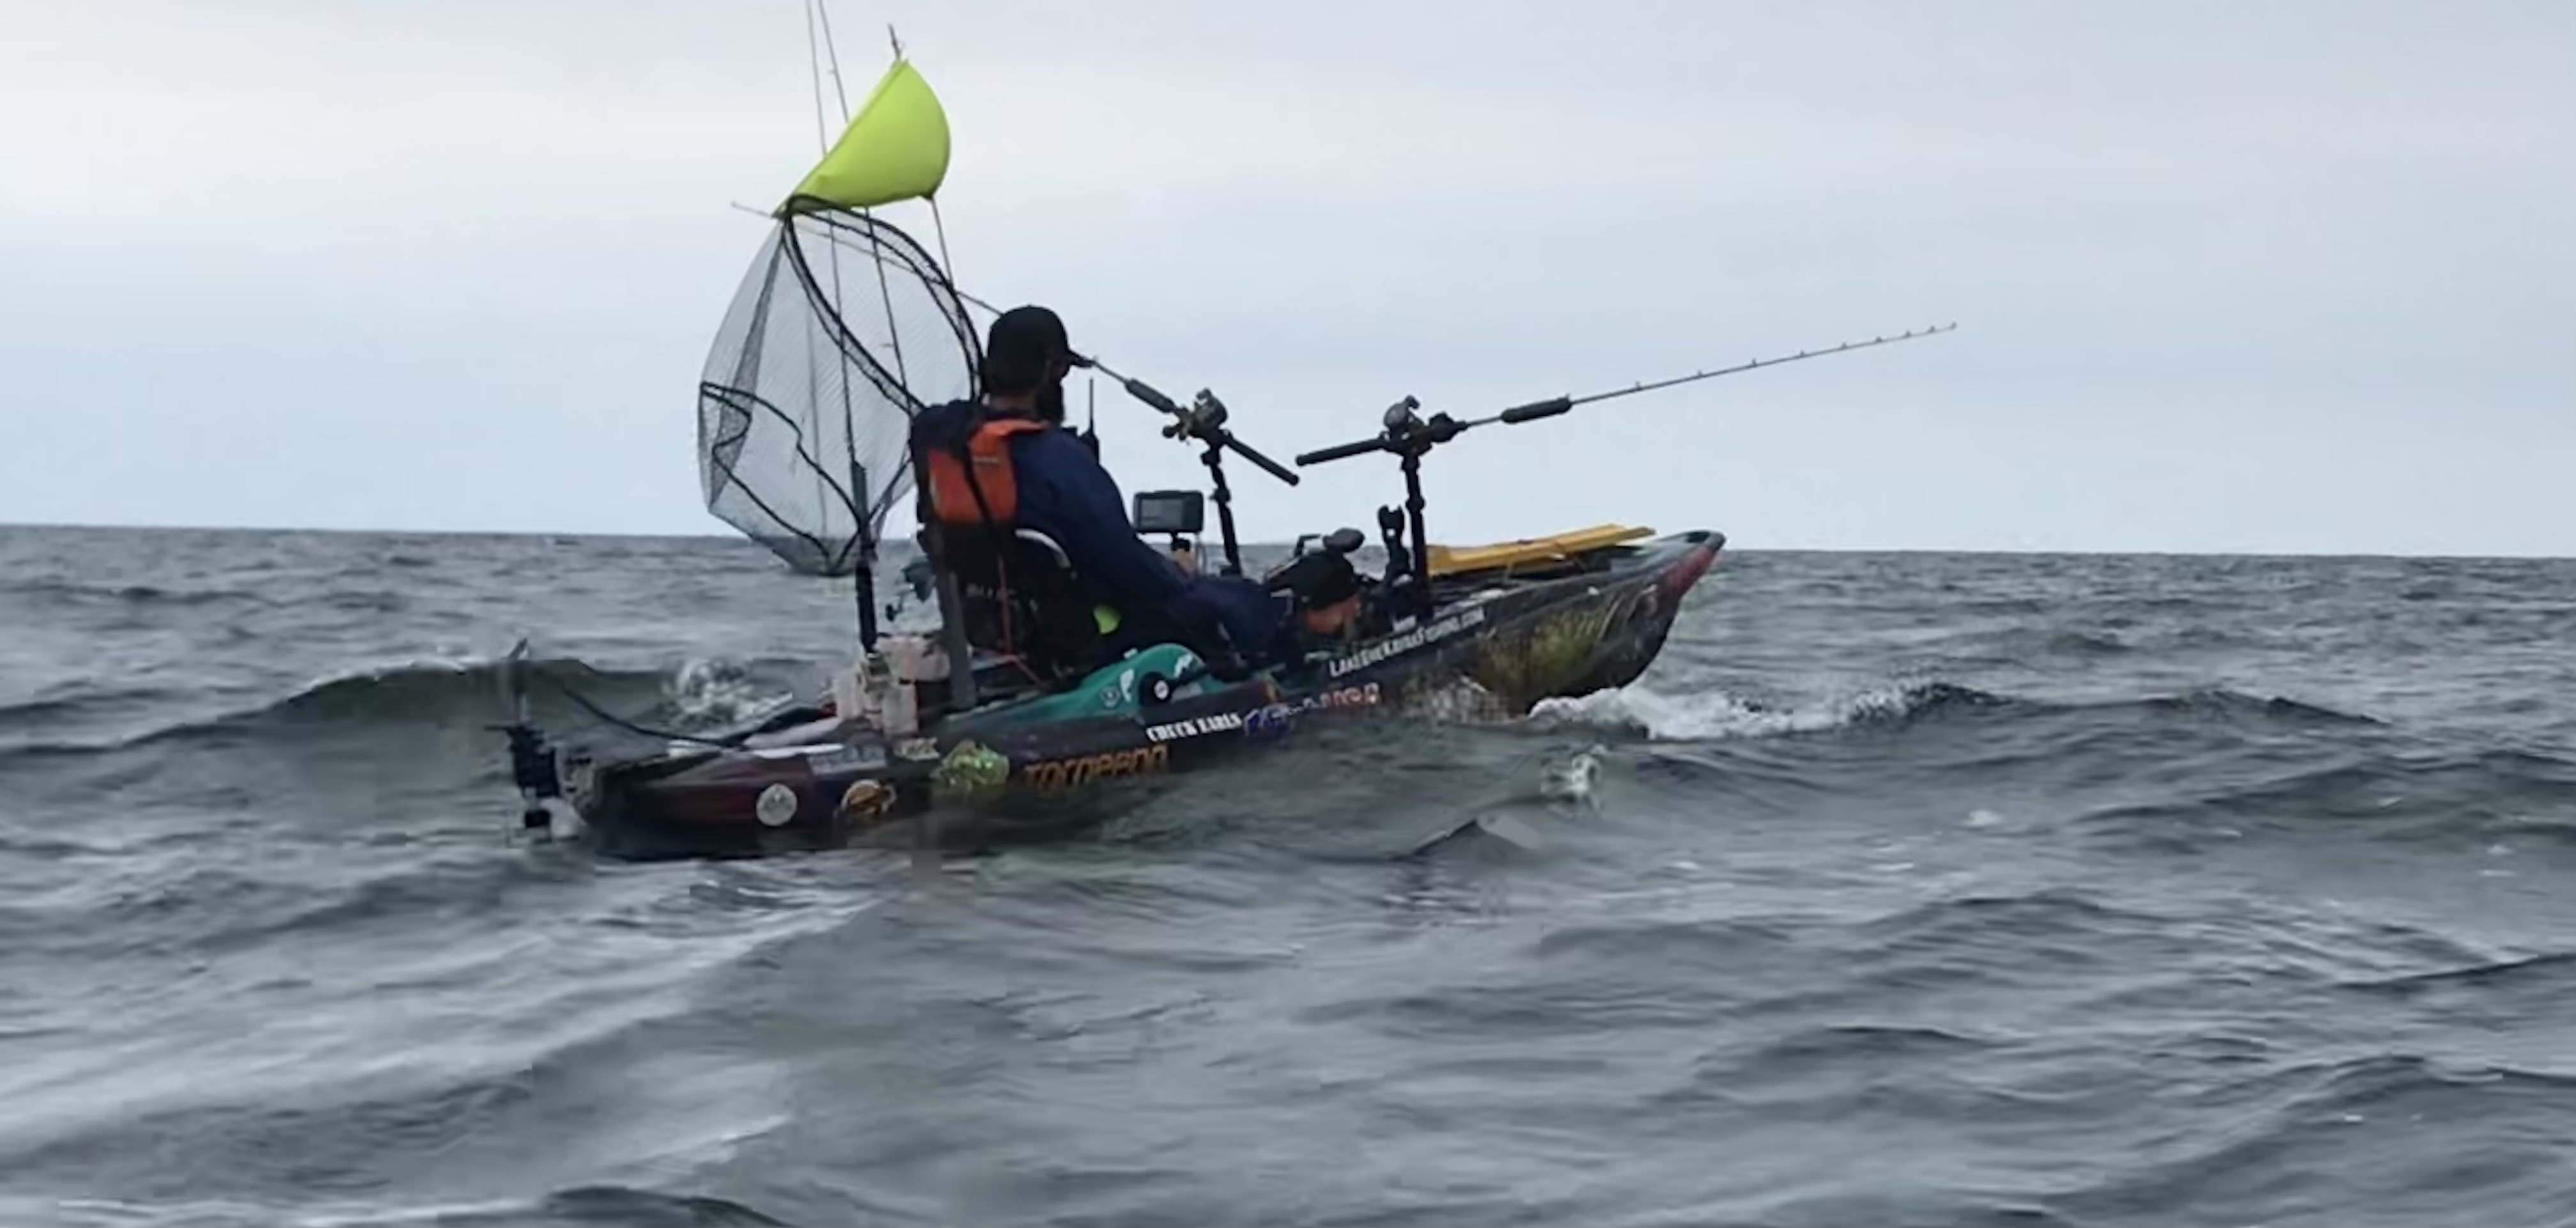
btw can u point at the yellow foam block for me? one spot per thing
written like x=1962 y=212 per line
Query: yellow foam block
x=1556 y=548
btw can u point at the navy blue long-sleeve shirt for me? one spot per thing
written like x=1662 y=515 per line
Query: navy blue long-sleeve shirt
x=1066 y=494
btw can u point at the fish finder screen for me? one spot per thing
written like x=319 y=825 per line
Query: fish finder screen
x=1169 y=511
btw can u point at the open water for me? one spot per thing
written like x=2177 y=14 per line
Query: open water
x=1921 y=889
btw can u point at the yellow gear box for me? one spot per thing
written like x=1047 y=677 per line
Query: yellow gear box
x=1550 y=550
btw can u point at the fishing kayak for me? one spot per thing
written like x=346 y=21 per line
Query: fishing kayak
x=844 y=337
x=1509 y=636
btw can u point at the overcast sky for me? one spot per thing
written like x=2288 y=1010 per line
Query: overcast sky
x=2279 y=276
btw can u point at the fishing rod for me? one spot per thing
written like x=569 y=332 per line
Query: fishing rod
x=1403 y=429
x=1408 y=435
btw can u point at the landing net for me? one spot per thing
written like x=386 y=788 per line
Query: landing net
x=842 y=331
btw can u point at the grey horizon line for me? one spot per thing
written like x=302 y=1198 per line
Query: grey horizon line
x=1733 y=547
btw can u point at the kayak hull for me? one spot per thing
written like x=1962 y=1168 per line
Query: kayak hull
x=1043 y=767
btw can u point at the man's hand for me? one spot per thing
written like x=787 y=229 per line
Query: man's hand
x=1185 y=559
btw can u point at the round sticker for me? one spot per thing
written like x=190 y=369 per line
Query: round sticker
x=867 y=798
x=777 y=805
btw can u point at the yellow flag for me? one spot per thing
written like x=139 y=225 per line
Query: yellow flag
x=896 y=148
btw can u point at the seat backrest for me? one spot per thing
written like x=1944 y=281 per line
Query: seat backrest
x=1020 y=596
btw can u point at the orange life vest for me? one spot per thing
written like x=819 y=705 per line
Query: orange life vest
x=978 y=486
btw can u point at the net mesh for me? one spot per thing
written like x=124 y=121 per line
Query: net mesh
x=843 y=329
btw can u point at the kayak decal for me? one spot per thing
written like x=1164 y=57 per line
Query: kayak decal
x=838 y=758
x=866 y=799
x=1222 y=722
x=776 y=806
x=1107 y=765
x=1120 y=695
x=795 y=752
x=1364 y=695
x=1123 y=692
x=1269 y=722
x=1680 y=577
x=970 y=770
x=1424 y=635
x=1558 y=649
x=1275 y=719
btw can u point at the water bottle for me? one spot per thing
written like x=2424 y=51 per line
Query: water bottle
x=902 y=704
x=848 y=695
x=900 y=715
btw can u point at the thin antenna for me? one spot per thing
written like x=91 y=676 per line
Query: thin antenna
x=939 y=227
x=832 y=48
x=938 y=224
x=814 y=64
x=885 y=289
x=814 y=359
x=862 y=508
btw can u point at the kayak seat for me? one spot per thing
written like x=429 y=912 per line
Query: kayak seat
x=1019 y=596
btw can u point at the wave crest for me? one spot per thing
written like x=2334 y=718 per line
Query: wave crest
x=1714 y=715
x=699 y=694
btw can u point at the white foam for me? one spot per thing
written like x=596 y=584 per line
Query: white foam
x=393 y=667
x=1576 y=780
x=1714 y=715
x=1701 y=717
x=720 y=692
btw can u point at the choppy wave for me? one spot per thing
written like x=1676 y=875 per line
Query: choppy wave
x=700 y=691
x=2448 y=798
x=578 y=1207
x=75 y=594
x=699 y=695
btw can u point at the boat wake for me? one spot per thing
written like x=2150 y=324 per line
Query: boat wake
x=1715 y=715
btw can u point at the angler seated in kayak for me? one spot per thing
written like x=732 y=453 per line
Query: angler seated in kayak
x=1029 y=472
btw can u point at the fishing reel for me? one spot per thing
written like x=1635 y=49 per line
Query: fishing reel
x=1204 y=421
x=1408 y=433
x=1312 y=575
x=1201 y=421
x=1339 y=541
